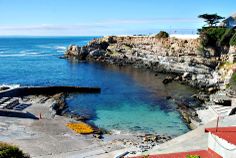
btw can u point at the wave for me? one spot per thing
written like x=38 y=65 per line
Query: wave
x=52 y=47
x=60 y=47
x=11 y=86
x=44 y=46
x=25 y=54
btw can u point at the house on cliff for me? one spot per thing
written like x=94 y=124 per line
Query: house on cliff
x=230 y=22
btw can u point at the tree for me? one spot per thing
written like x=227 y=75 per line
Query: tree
x=211 y=19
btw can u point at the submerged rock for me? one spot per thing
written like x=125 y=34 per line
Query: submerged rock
x=4 y=88
x=167 y=80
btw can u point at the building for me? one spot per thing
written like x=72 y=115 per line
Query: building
x=221 y=144
x=230 y=22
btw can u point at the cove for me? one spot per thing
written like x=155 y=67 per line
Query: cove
x=132 y=100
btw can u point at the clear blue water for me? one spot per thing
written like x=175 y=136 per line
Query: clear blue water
x=131 y=100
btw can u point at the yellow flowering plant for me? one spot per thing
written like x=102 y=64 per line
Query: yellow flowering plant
x=81 y=128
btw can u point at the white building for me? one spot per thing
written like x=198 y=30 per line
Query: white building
x=222 y=141
x=230 y=22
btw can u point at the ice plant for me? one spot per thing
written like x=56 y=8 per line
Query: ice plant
x=81 y=128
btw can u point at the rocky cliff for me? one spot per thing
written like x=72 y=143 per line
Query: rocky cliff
x=179 y=57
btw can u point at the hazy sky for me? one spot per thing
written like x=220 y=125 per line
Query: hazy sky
x=103 y=17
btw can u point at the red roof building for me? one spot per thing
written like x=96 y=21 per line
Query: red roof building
x=221 y=144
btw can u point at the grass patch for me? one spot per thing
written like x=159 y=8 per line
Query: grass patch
x=81 y=128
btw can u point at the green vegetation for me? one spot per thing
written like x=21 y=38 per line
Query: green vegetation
x=9 y=151
x=211 y=36
x=233 y=40
x=211 y=19
x=226 y=38
x=162 y=34
x=233 y=81
x=217 y=38
x=193 y=156
x=234 y=77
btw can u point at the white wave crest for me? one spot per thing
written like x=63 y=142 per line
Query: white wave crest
x=60 y=47
x=24 y=54
x=11 y=86
x=52 y=47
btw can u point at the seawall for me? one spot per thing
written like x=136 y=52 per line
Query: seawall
x=47 y=90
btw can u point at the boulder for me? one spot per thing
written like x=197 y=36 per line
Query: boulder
x=111 y=39
x=167 y=80
x=83 y=53
x=4 y=88
x=232 y=54
x=72 y=50
x=97 y=53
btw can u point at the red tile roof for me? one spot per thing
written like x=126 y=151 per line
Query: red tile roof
x=226 y=133
x=201 y=153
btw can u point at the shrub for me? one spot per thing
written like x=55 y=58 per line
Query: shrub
x=233 y=81
x=233 y=40
x=192 y=156
x=216 y=38
x=225 y=39
x=211 y=36
x=162 y=34
x=8 y=151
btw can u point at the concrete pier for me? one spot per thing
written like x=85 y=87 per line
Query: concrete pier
x=47 y=90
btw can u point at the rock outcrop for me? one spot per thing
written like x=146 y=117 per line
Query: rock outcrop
x=77 y=52
x=169 y=55
x=232 y=54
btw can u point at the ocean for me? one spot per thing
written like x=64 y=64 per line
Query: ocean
x=131 y=101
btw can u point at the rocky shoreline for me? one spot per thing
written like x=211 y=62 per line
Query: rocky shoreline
x=176 y=56
x=140 y=142
x=181 y=59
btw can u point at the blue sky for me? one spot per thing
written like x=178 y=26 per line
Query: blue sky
x=105 y=17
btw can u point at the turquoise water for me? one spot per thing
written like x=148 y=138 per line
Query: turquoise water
x=131 y=100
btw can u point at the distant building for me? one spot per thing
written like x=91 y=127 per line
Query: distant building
x=230 y=22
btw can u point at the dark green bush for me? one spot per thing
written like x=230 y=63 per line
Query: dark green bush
x=211 y=37
x=216 y=38
x=162 y=34
x=233 y=40
x=8 y=151
x=233 y=81
x=225 y=39
x=192 y=156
